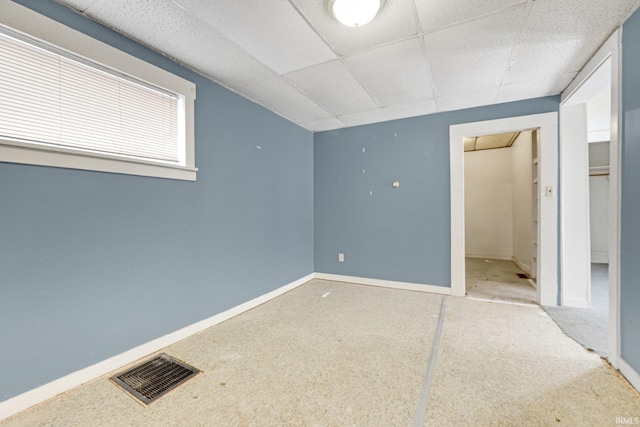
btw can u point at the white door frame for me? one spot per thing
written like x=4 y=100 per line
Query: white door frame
x=575 y=229
x=610 y=50
x=547 y=274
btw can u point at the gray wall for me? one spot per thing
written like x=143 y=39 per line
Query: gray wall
x=630 y=216
x=393 y=234
x=94 y=264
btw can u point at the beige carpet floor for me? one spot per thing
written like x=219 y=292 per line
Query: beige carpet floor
x=588 y=326
x=511 y=365
x=337 y=354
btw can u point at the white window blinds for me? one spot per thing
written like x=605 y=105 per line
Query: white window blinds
x=51 y=98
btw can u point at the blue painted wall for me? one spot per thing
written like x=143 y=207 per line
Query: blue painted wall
x=94 y=264
x=393 y=234
x=630 y=215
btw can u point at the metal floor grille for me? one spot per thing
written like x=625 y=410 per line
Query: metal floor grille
x=153 y=379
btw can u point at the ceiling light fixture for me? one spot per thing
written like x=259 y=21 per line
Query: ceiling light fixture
x=354 y=13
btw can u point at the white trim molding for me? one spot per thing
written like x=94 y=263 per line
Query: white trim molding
x=24 y=21
x=50 y=390
x=485 y=256
x=547 y=273
x=575 y=93
x=629 y=373
x=407 y=286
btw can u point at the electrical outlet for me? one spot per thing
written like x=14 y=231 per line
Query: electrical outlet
x=341 y=257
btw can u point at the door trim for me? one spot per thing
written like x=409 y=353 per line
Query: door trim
x=547 y=273
x=611 y=49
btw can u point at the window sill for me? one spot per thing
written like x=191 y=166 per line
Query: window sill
x=15 y=152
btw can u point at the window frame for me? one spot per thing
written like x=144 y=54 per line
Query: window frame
x=20 y=19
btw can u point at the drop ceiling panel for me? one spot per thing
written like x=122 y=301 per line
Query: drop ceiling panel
x=436 y=14
x=561 y=36
x=471 y=99
x=258 y=26
x=411 y=110
x=364 y=118
x=549 y=85
x=324 y=124
x=277 y=95
x=171 y=30
x=477 y=52
x=333 y=87
x=472 y=55
x=394 y=74
x=394 y=21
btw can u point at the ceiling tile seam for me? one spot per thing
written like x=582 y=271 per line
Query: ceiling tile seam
x=302 y=15
x=542 y=76
x=308 y=67
x=338 y=56
x=266 y=107
x=416 y=16
x=419 y=34
x=221 y=34
x=341 y=121
x=357 y=52
x=363 y=86
x=142 y=43
x=232 y=89
x=350 y=55
x=515 y=43
x=339 y=117
x=380 y=45
x=295 y=87
x=306 y=95
x=425 y=57
x=476 y=18
x=165 y=54
x=422 y=35
x=86 y=9
x=311 y=98
x=423 y=48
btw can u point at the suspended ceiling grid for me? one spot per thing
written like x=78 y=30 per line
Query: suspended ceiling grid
x=417 y=57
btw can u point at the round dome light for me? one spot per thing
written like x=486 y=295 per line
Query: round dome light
x=355 y=13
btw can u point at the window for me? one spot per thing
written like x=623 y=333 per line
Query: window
x=81 y=109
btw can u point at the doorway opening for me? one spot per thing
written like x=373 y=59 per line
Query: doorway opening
x=589 y=221
x=545 y=269
x=501 y=216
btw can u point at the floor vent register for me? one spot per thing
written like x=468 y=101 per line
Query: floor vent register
x=155 y=378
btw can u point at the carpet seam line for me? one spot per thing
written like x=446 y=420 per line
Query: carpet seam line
x=421 y=411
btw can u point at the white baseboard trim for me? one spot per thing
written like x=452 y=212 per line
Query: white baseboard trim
x=520 y=304
x=629 y=373
x=385 y=283
x=50 y=390
x=485 y=256
x=521 y=265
